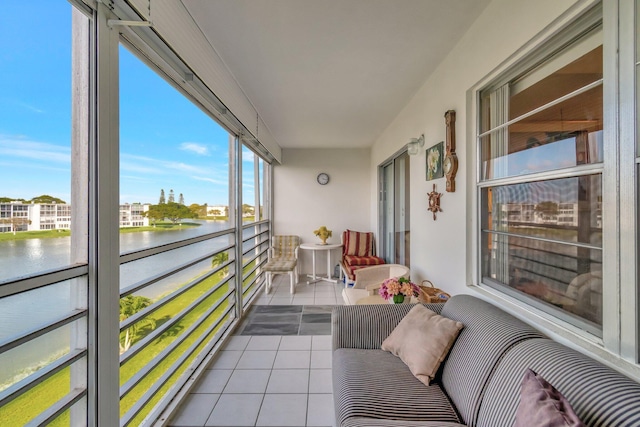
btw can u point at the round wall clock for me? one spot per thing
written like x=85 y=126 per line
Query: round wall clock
x=323 y=178
x=450 y=167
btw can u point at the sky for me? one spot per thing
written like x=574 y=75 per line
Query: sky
x=166 y=142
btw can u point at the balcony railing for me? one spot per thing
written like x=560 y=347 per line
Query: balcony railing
x=169 y=322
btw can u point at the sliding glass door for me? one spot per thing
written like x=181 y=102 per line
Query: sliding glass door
x=394 y=210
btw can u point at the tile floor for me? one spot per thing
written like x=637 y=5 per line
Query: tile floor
x=266 y=379
x=287 y=320
x=319 y=293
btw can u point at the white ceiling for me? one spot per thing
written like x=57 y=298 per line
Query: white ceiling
x=331 y=73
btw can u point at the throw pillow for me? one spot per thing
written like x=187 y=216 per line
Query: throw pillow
x=422 y=340
x=542 y=405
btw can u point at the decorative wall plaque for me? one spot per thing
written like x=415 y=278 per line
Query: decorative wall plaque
x=434 y=202
x=450 y=163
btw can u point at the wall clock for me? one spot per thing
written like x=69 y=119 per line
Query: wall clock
x=323 y=178
x=450 y=163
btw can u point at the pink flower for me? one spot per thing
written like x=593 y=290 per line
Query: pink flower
x=397 y=286
x=383 y=292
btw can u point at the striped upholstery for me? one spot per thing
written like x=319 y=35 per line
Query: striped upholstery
x=358 y=243
x=350 y=270
x=358 y=251
x=599 y=395
x=284 y=247
x=376 y=384
x=480 y=381
x=369 y=422
x=366 y=326
x=364 y=261
x=488 y=333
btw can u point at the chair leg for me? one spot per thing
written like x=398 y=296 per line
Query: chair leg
x=293 y=289
x=267 y=286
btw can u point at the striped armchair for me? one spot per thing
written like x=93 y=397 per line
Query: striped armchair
x=283 y=258
x=358 y=251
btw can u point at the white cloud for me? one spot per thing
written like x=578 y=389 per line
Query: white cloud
x=135 y=178
x=30 y=107
x=211 y=180
x=21 y=147
x=141 y=164
x=195 y=148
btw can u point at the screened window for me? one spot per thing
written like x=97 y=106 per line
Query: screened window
x=540 y=188
x=44 y=146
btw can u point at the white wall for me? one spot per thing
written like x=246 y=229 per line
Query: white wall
x=301 y=205
x=439 y=249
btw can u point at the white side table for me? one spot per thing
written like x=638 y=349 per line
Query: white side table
x=314 y=247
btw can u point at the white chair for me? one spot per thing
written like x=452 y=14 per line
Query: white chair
x=283 y=258
x=369 y=279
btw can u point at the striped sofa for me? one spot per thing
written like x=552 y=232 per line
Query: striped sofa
x=479 y=382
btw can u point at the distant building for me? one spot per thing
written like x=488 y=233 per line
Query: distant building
x=49 y=216
x=18 y=216
x=566 y=215
x=132 y=215
x=217 y=211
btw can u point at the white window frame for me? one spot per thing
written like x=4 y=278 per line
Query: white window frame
x=618 y=346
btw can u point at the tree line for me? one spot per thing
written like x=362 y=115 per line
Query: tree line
x=172 y=210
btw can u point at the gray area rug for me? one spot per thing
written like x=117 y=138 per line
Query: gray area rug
x=287 y=320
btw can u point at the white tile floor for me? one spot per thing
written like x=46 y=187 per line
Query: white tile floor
x=319 y=293
x=269 y=380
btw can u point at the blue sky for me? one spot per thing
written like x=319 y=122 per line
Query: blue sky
x=165 y=141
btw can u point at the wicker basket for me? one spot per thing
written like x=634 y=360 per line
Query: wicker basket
x=429 y=294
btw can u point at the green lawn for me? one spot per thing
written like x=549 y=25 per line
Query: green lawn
x=41 y=234
x=26 y=407
x=52 y=234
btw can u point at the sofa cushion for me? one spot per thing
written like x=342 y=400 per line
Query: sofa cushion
x=542 y=405
x=366 y=326
x=363 y=261
x=599 y=395
x=488 y=333
x=374 y=384
x=422 y=340
x=357 y=243
x=279 y=265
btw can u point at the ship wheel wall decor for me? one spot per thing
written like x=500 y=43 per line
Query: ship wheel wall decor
x=434 y=202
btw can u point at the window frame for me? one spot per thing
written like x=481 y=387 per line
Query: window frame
x=531 y=53
x=585 y=30
x=619 y=346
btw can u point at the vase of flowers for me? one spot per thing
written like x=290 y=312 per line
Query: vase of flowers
x=323 y=233
x=398 y=290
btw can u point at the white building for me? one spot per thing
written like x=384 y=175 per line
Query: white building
x=132 y=215
x=18 y=216
x=216 y=211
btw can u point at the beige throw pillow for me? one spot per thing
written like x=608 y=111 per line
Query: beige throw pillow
x=422 y=340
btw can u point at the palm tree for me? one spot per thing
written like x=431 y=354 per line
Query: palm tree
x=219 y=259
x=129 y=306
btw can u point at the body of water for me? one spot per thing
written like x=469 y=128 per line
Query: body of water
x=22 y=312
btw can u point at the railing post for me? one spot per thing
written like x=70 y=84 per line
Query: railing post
x=237 y=181
x=80 y=137
x=104 y=283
